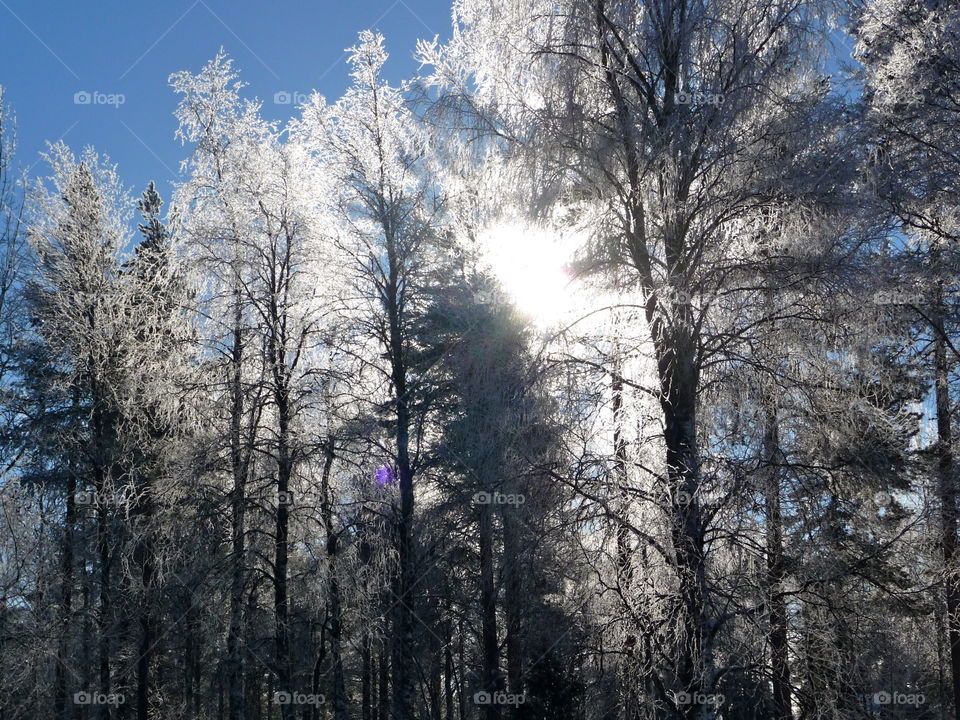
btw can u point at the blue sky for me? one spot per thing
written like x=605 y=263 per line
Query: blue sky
x=51 y=50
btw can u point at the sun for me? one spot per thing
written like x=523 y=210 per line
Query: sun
x=532 y=265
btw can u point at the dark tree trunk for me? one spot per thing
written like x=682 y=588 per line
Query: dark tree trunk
x=334 y=610
x=434 y=684
x=336 y=653
x=403 y=655
x=366 y=679
x=776 y=570
x=281 y=372
x=103 y=426
x=489 y=646
x=282 y=640
x=145 y=653
x=383 y=684
x=461 y=671
x=628 y=674
x=678 y=381
x=145 y=551
x=448 y=673
x=235 y=674
x=675 y=336
x=513 y=601
x=318 y=663
x=103 y=615
x=189 y=665
x=86 y=638
x=62 y=699
x=948 y=504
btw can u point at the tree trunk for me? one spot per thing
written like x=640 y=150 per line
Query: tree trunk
x=461 y=670
x=86 y=642
x=102 y=427
x=678 y=380
x=189 y=668
x=333 y=591
x=284 y=470
x=948 y=504
x=776 y=570
x=103 y=615
x=434 y=684
x=403 y=657
x=145 y=653
x=317 y=674
x=513 y=598
x=383 y=682
x=235 y=674
x=488 y=614
x=62 y=699
x=448 y=673
x=145 y=551
x=366 y=684
x=628 y=675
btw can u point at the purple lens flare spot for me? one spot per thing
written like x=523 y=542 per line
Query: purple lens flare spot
x=385 y=476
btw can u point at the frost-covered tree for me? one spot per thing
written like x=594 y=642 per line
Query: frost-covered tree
x=289 y=451
x=80 y=310
x=225 y=130
x=250 y=215
x=159 y=412
x=384 y=208
x=910 y=52
x=13 y=260
x=667 y=130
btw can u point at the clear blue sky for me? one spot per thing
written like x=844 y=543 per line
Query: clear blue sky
x=50 y=50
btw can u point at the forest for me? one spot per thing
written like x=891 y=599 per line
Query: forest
x=319 y=436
